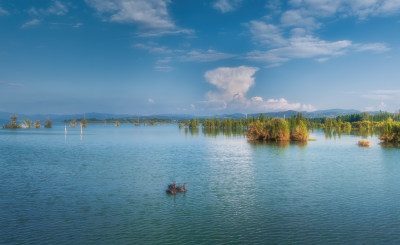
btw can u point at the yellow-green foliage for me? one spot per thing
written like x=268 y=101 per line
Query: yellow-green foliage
x=347 y=126
x=84 y=123
x=37 y=124
x=390 y=131
x=13 y=123
x=72 y=123
x=48 y=123
x=27 y=123
x=256 y=131
x=276 y=129
x=299 y=132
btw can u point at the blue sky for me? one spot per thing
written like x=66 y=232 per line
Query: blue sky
x=198 y=57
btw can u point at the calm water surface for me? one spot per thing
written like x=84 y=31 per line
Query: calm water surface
x=108 y=187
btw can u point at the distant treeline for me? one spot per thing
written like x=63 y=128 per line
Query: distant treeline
x=296 y=128
x=151 y=121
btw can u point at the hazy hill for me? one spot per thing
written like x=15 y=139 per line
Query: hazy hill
x=5 y=116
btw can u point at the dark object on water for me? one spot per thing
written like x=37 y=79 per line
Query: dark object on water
x=171 y=192
x=172 y=186
x=181 y=188
x=173 y=189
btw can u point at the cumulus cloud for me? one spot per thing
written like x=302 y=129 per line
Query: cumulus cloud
x=261 y=105
x=31 y=23
x=233 y=83
x=226 y=5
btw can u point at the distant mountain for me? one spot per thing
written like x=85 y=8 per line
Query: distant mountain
x=314 y=114
x=5 y=116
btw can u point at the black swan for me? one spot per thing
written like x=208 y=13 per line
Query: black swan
x=172 y=186
x=171 y=192
x=181 y=188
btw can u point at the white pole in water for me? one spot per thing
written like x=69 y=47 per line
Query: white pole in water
x=65 y=129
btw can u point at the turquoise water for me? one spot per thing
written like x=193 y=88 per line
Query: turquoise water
x=108 y=187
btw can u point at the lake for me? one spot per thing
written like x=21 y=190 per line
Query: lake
x=108 y=187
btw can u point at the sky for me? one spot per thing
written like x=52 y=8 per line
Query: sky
x=198 y=57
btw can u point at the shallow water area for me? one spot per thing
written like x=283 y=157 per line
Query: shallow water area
x=108 y=186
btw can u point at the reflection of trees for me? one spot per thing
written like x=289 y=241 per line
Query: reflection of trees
x=333 y=132
x=365 y=133
x=192 y=131
x=273 y=144
x=278 y=144
x=226 y=132
x=388 y=145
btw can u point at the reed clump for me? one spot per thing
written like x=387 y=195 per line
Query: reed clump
x=364 y=143
x=279 y=129
x=390 y=131
x=275 y=129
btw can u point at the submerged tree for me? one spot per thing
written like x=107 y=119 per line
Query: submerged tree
x=13 y=122
x=37 y=124
x=27 y=123
x=72 y=123
x=84 y=123
x=48 y=123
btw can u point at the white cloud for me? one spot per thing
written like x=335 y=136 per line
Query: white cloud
x=233 y=85
x=259 y=105
x=12 y=84
x=154 y=48
x=376 y=47
x=226 y=5
x=182 y=55
x=257 y=99
x=56 y=8
x=301 y=47
x=77 y=25
x=31 y=23
x=299 y=18
x=267 y=33
x=382 y=94
x=152 y=14
x=163 y=68
x=3 y=11
x=359 y=8
x=206 y=56
x=151 y=101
